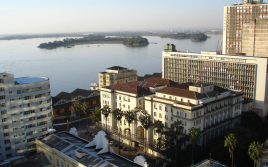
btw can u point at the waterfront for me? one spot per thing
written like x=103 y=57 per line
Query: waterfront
x=78 y=67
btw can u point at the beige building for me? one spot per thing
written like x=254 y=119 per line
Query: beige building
x=255 y=38
x=115 y=75
x=204 y=106
x=235 y=16
x=245 y=73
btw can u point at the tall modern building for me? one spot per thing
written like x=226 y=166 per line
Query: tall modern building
x=116 y=74
x=255 y=38
x=234 y=17
x=246 y=73
x=25 y=106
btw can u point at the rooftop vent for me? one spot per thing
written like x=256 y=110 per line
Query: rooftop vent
x=80 y=154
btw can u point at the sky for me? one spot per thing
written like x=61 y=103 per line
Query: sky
x=61 y=16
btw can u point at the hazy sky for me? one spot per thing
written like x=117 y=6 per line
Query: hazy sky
x=49 y=16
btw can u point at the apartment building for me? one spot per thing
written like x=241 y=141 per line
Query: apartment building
x=25 y=106
x=234 y=17
x=204 y=106
x=245 y=73
x=116 y=74
x=255 y=38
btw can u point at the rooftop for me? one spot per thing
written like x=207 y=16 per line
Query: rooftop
x=125 y=87
x=26 y=80
x=68 y=144
x=117 y=68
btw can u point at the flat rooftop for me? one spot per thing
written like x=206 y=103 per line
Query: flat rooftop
x=68 y=144
x=26 y=80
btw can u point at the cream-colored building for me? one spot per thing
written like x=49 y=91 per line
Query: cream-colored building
x=204 y=106
x=235 y=16
x=241 y=73
x=115 y=75
x=255 y=38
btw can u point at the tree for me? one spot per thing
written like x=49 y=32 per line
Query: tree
x=106 y=112
x=130 y=117
x=146 y=123
x=118 y=114
x=96 y=115
x=77 y=105
x=231 y=142
x=85 y=109
x=255 y=151
x=194 y=136
x=159 y=126
x=177 y=129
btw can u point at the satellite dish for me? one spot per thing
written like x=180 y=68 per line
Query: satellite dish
x=73 y=131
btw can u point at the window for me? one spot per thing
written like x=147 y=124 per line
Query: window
x=160 y=108
x=139 y=101
x=5 y=127
x=1 y=81
x=166 y=108
x=58 y=162
x=166 y=124
x=160 y=115
x=185 y=115
x=128 y=106
x=155 y=114
x=8 y=148
x=3 y=112
x=6 y=134
x=2 y=97
x=181 y=99
x=171 y=118
x=4 y=120
x=7 y=141
x=170 y=97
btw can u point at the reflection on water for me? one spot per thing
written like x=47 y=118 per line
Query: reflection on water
x=78 y=67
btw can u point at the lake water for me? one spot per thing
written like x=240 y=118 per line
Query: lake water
x=78 y=67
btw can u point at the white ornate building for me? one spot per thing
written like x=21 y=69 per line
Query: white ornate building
x=204 y=106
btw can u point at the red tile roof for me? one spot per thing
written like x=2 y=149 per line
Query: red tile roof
x=182 y=93
x=124 y=87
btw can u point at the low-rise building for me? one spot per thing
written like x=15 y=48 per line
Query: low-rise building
x=25 y=105
x=66 y=150
x=63 y=102
x=205 y=106
x=115 y=75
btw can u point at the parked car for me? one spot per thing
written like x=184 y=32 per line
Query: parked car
x=124 y=149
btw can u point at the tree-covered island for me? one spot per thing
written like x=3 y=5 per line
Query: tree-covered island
x=136 y=41
x=193 y=37
x=95 y=39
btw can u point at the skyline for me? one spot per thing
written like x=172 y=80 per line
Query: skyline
x=26 y=17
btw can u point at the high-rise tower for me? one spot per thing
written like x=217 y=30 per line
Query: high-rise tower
x=234 y=17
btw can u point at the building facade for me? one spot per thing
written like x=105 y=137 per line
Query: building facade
x=64 y=101
x=255 y=38
x=245 y=73
x=204 y=106
x=116 y=74
x=25 y=105
x=234 y=17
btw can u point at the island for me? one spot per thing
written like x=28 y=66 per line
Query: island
x=193 y=37
x=136 y=41
x=95 y=39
